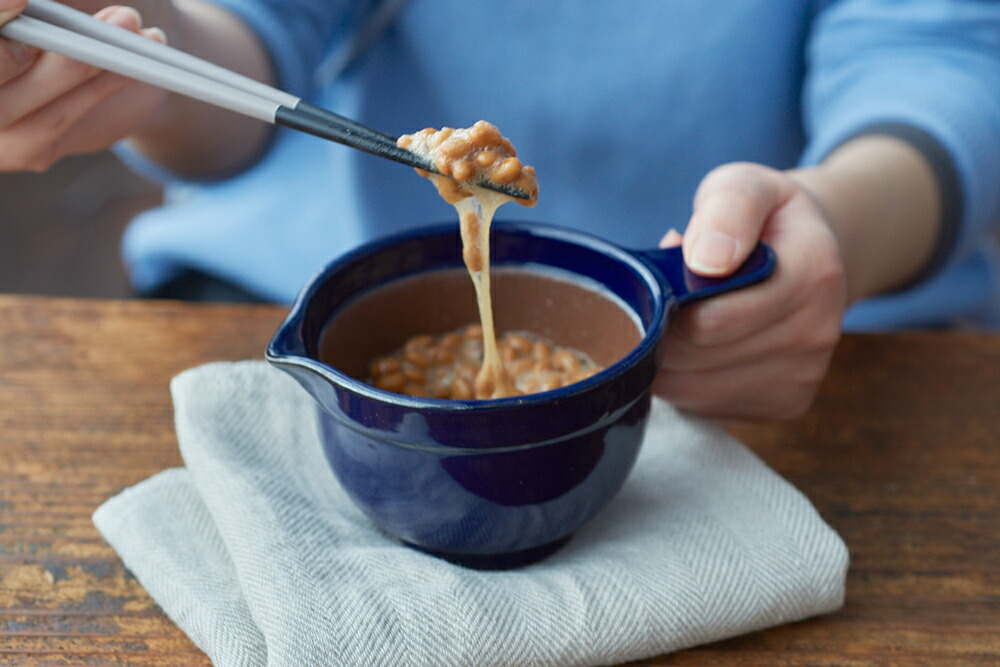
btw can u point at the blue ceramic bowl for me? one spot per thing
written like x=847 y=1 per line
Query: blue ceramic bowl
x=491 y=483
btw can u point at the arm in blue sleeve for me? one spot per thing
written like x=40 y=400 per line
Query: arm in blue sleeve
x=926 y=71
x=297 y=35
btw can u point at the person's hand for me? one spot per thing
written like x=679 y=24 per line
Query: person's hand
x=52 y=107
x=761 y=352
x=11 y=8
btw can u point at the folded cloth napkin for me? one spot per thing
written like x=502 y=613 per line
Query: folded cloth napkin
x=255 y=551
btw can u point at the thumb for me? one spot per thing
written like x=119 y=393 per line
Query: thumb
x=731 y=207
x=10 y=8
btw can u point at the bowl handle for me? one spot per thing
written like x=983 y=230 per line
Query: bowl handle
x=688 y=286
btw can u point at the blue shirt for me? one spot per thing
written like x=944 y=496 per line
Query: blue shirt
x=622 y=107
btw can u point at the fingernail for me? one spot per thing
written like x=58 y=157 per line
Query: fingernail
x=671 y=238
x=713 y=253
x=156 y=34
x=122 y=16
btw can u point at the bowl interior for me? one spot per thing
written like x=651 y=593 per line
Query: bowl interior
x=565 y=308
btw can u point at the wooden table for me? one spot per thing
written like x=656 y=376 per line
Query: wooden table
x=901 y=455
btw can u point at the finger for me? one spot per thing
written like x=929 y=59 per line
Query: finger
x=683 y=352
x=671 y=239
x=155 y=34
x=728 y=318
x=54 y=75
x=36 y=142
x=90 y=117
x=792 y=384
x=812 y=329
x=112 y=117
x=731 y=206
x=808 y=272
x=15 y=57
x=10 y=8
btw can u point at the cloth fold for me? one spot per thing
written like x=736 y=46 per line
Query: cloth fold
x=254 y=550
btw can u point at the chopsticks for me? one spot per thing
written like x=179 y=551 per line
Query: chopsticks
x=51 y=26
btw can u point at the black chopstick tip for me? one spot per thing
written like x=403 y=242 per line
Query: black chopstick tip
x=325 y=124
x=486 y=184
x=509 y=190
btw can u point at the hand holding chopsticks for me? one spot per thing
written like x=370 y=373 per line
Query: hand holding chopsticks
x=51 y=26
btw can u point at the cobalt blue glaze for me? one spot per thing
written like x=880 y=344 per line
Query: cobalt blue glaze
x=493 y=483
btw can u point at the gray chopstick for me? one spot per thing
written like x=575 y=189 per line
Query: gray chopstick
x=137 y=66
x=130 y=62
x=53 y=27
x=122 y=60
x=80 y=22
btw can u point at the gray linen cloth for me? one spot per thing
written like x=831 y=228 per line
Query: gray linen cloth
x=256 y=553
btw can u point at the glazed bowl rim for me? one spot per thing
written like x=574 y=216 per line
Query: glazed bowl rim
x=290 y=328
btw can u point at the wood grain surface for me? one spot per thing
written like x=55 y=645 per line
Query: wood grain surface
x=901 y=455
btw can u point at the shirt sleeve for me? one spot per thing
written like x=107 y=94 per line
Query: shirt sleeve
x=298 y=35
x=929 y=65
